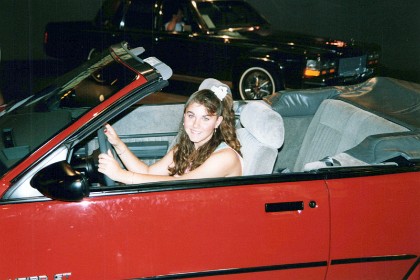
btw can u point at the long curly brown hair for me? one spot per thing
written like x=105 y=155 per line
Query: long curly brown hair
x=186 y=157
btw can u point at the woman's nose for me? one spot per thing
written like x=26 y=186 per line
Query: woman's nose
x=196 y=122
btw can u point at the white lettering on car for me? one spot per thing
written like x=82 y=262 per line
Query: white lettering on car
x=58 y=276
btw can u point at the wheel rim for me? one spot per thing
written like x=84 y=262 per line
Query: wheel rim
x=92 y=54
x=256 y=83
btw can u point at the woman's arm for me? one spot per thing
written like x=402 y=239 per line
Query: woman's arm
x=223 y=163
x=170 y=26
x=129 y=159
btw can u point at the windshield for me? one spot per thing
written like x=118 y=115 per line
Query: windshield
x=27 y=124
x=229 y=14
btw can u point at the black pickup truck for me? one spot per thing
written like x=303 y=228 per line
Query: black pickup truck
x=224 y=39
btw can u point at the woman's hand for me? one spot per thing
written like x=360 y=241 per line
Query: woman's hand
x=114 y=139
x=112 y=135
x=110 y=167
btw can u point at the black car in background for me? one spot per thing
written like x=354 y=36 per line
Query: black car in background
x=225 y=39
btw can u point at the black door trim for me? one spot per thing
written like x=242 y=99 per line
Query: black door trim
x=373 y=259
x=287 y=266
x=412 y=268
x=235 y=271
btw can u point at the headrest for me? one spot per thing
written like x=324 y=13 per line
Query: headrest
x=263 y=123
x=299 y=102
x=210 y=82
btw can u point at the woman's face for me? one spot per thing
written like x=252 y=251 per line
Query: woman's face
x=199 y=124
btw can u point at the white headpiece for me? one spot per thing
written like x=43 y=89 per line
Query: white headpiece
x=219 y=88
x=220 y=91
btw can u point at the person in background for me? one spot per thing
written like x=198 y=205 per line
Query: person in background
x=176 y=23
x=207 y=145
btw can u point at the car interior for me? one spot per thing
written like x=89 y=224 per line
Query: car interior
x=289 y=132
x=326 y=130
x=339 y=128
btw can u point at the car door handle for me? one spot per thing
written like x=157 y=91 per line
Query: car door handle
x=284 y=206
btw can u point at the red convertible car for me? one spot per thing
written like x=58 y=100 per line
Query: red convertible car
x=330 y=188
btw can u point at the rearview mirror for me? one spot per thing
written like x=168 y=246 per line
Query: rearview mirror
x=59 y=181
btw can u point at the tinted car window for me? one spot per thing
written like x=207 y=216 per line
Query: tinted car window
x=140 y=15
x=110 y=14
x=170 y=8
x=220 y=15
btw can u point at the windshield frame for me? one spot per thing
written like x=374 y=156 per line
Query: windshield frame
x=28 y=124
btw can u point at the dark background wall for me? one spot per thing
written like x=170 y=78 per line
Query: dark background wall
x=393 y=24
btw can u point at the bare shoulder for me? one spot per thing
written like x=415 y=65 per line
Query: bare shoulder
x=223 y=163
x=227 y=153
x=227 y=159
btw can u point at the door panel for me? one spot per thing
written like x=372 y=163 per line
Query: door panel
x=218 y=231
x=49 y=238
x=373 y=235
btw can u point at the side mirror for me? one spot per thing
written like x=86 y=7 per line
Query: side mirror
x=59 y=181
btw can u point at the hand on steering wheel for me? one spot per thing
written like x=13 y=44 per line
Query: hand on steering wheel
x=104 y=147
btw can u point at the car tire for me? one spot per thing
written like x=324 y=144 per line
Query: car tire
x=256 y=83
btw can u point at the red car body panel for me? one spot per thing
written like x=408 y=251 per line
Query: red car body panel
x=384 y=225
x=152 y=233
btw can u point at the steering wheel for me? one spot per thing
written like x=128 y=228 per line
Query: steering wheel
x=104 y=146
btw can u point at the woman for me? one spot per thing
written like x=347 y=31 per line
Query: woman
x=207 y=145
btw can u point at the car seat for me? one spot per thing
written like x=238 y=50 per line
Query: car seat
x=261 y=135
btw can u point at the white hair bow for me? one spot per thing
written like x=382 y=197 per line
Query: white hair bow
x=220 y=91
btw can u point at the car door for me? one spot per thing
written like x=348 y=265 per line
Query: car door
x=372 y=231
x=241 y=228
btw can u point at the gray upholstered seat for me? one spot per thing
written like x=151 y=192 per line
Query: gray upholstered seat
x=378 y=149
x=261 y=135
x=336 y=127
